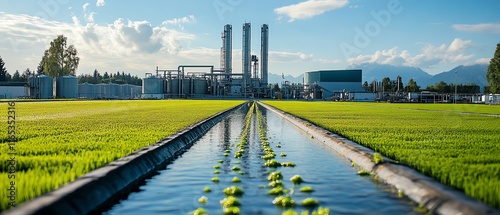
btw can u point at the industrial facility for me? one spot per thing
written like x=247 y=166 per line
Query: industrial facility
x=207 y=80
x=332 y=83
x=67 y=87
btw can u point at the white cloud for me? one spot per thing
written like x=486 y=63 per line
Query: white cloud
x=309 y=9
x=122 y=45
x=483 y=61
x=281 y=56
x=100 y=3
x=429 y=56
x=85 y=6
x=478 y=28
x=459 y=45
x=180 y=21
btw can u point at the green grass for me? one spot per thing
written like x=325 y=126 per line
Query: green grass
x=439 y=140
x=62 y=140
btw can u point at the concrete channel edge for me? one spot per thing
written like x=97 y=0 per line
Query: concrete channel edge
x=436 y=197
x=100 y=188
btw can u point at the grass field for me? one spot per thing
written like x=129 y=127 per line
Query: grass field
x=60 y=141
x=458 y=145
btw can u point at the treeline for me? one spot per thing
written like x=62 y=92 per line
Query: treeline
x=388 y=85
x=443 y=87
x=117 y=78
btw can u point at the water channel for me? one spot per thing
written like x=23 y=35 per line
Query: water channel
x=177 y=188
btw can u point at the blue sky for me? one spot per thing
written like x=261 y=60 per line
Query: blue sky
x=305 y=35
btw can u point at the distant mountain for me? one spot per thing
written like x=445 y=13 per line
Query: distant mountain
x=275 y=78
x=465 y=74
x=373 y=71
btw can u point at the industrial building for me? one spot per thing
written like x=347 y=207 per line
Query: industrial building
x=198 y=81
x=10 y=90
x=325 y=84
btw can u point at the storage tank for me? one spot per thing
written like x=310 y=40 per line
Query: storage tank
x=115 y=91
x=200 y=87
x=86 y=90
x=101 y=91
x=186 y=86
x=173 y=86
x=152 y=87
x=66 y=86
x=126 y=89
x=41 y=87
x=136 y=91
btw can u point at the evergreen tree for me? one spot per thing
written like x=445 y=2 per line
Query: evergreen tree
x=3 y=70
x=493 y=74
x=16 y=77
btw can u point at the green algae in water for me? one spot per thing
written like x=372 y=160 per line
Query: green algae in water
x=200 y=211
x=306 y=189
x=217 y=167
x=216 y=171
x=288 y=164
x=230 y=201
x=277 y=183
x=233 y=191
x=284 y=201
x=272 y=163
x=215 y=179
x=310 y=202
x=275 y=176
x=275 y=191
x=203 y=200
x=231 y=210
x=207 y=189
x=363 y=172
x=296 y=179
x=236 y=180
x=236 y=168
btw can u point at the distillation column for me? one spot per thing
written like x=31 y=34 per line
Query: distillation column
x=264 y=42
x=246 y=57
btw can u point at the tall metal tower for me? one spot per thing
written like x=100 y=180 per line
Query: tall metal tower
x=226 y=51
x=246 y=57
x=264 y=48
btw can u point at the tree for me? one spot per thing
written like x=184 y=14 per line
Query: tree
x=59 y=59
x=3 y=70
x=412 y=86
x=365 y=86
x=276 y=88
x=493 y=74
x=17 y=77
x=386 y=84
x=39 y=68
x=440 y=86
x=26 y=75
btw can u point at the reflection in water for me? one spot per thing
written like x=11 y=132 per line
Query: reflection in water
x=176 y=190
